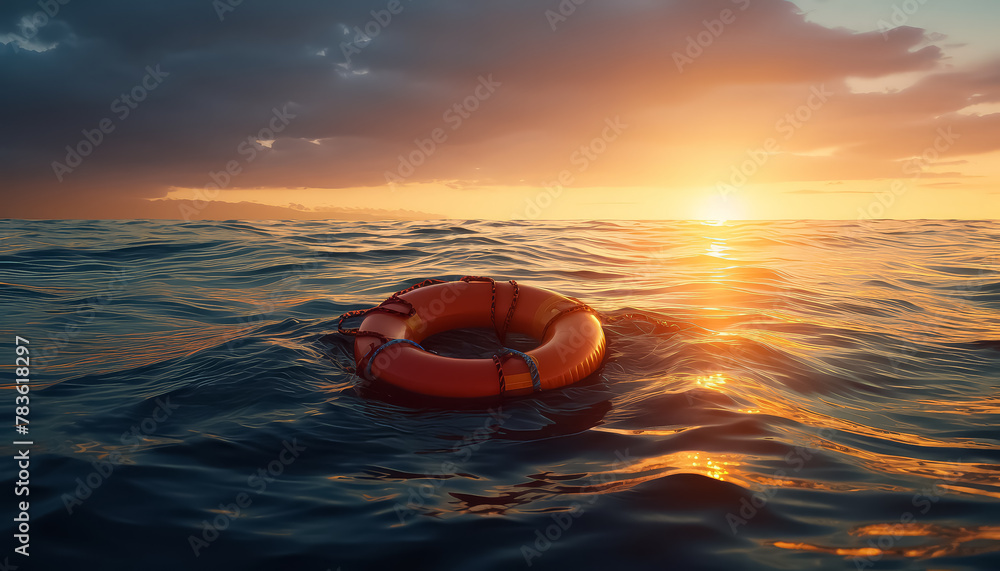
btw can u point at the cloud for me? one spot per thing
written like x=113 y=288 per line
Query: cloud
x=168 y=209
x=349 y=121
x=827 y=192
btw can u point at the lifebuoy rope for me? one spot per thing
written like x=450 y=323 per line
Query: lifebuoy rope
x=381 y=308
x=499 y=364
x=506 y=353
x=374 y=354
x=580 y=306
x=501 y=333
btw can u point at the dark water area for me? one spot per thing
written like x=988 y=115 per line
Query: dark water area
x=831 y=400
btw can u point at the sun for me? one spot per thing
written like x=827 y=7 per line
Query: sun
x=721 y=205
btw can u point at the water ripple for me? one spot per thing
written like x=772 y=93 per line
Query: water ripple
x=829 y=401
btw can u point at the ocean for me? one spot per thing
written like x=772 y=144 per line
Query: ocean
x=829 y=399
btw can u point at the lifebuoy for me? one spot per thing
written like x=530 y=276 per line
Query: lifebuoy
x=387 y=343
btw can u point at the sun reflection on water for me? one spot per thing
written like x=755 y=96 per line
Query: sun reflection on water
x=709 y=467
x=713 y=382
x=717 y=249
x=939 y=541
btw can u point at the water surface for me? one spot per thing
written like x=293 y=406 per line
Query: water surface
x=831 y=401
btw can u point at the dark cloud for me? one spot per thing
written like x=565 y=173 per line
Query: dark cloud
x=351 y=120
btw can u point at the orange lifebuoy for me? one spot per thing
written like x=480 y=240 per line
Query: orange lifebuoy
x=387 y=344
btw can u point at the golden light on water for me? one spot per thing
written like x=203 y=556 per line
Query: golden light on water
x=704 y=464
x=884 y=539
x=714 y=382
x=723 y=467
x=717 y=249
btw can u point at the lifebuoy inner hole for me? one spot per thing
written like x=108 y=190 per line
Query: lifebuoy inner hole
x=476 y=343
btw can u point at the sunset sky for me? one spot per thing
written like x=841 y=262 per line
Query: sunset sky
x=593 y=109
